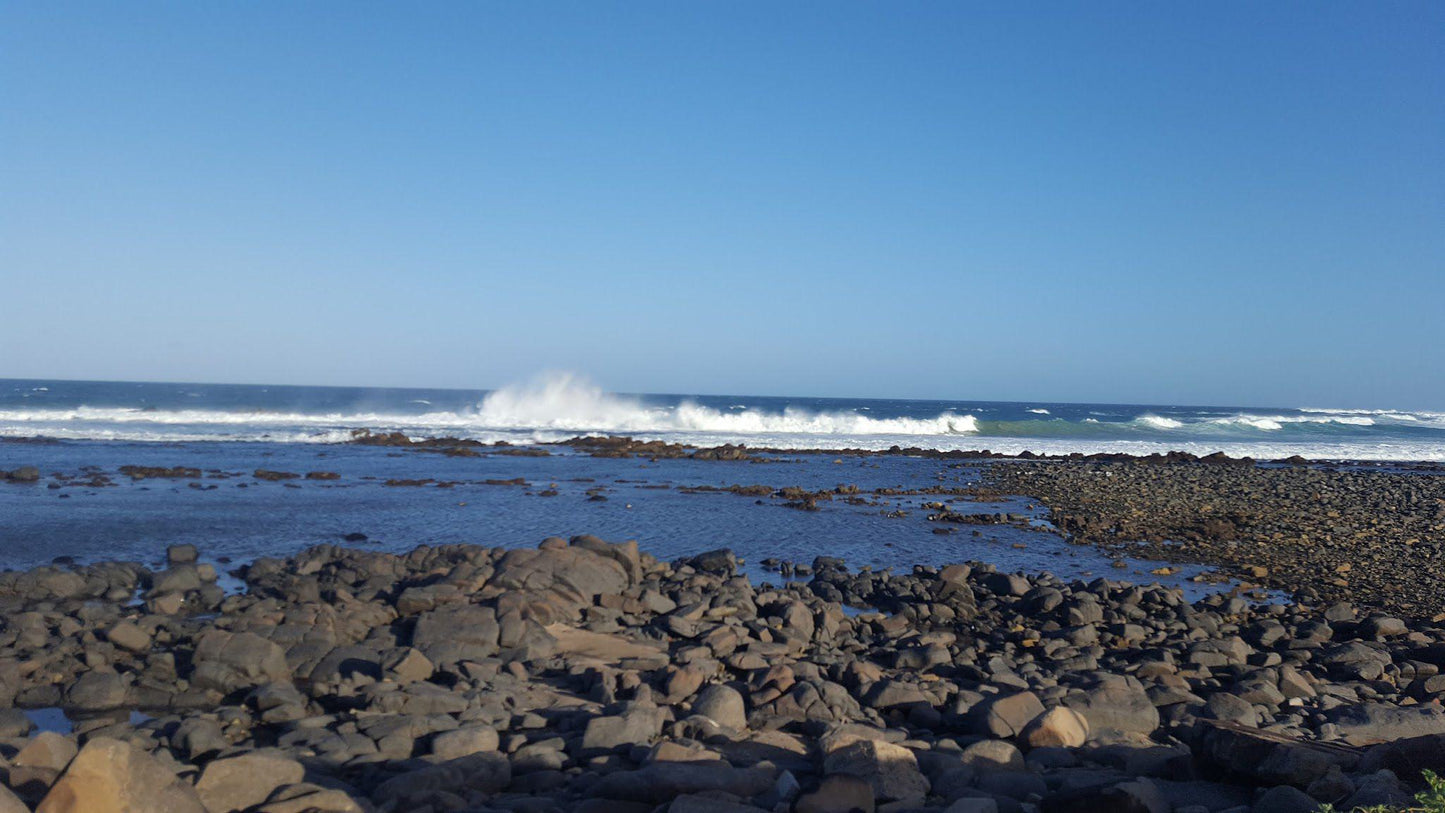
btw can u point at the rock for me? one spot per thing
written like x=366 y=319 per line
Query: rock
x=309 y=798
x=229 y=661
x=10 y=803
x=1408 y=757
x=1018 y=785
x=1380 y=626
x=720 y=561
x=454 y=634
x=972 y=804
x=891 y=770
x=1116 y=705
x=1269 y=758
x=707 y=804
x=110 y=776
x=634 y=727
x=1370 y=723
x=1006 y=716
x=407 y=665
x=1060 y=726
x=129 y=637
x=1137 y=796
x=14 y=724
x=463 y=742
x=1285 y=799
x=1230 y=708
x=584 y=573
x=483 y=773
x=724 y=705
x=659 y=782
x=24 y=474
x=839 y=793
x=240 y=782
x=37 y=765
x=993 y=755
x=96 y=690
x=1332 y=788
x=181 y=555
x=1378 y=789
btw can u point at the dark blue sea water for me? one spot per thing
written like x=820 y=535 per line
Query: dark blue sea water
x=562 y=406
x=234 y=517
x=228 y=432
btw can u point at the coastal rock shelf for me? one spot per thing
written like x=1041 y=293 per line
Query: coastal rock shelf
x=589 y=676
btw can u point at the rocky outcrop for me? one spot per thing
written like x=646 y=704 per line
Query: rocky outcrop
x=583 y=675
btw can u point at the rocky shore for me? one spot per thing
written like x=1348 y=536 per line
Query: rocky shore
x=1372 y=537
x=589 y=676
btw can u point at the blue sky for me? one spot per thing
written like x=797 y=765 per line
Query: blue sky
x=1235 y=203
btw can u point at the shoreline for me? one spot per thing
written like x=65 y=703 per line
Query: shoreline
x=1375 y=537
x=620 y=445
x=583 y=675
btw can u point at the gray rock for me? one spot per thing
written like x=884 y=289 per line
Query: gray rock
x=240 y=782
x=1370 y=723
x=1117 y=705
x=227 y=661
x=450 y=635
x=839 y=793
x=993 y=755
x=635 y=727
x=660 y=782
x=1285 y=799
x=463 y=742
x=724 y=705
x=483 y=773
x=110 y=774
x=1006 y=716
x=891 y=770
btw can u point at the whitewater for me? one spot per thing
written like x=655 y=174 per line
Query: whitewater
x=556 y=407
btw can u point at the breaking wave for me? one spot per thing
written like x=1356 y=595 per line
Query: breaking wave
x=558 y=406
x=567 y=402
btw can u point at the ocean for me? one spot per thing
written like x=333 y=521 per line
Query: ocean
x=562 y=406
x=81 y=436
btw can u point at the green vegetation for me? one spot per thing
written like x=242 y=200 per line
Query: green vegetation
x=1430 y=800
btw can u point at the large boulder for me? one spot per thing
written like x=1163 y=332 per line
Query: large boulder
x=638 y=726
x=454 y=634
x=484 y=773
x=1119 y=705
x=1269 y=758
x=111 y=776
x=575 y=570
x=1006 y=716
x=240 y=782
x=723 y=705
x=891 y=770
x=1372 y=723
x=461 y=742
x=229 y=661
x=1058 y=727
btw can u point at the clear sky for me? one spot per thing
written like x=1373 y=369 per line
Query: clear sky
x=1227 y=203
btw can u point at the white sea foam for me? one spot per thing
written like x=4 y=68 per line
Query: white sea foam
x=1158 y=422
x=1275 y=423
x=564 y=401
x=560 y=406
x=551 y=407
